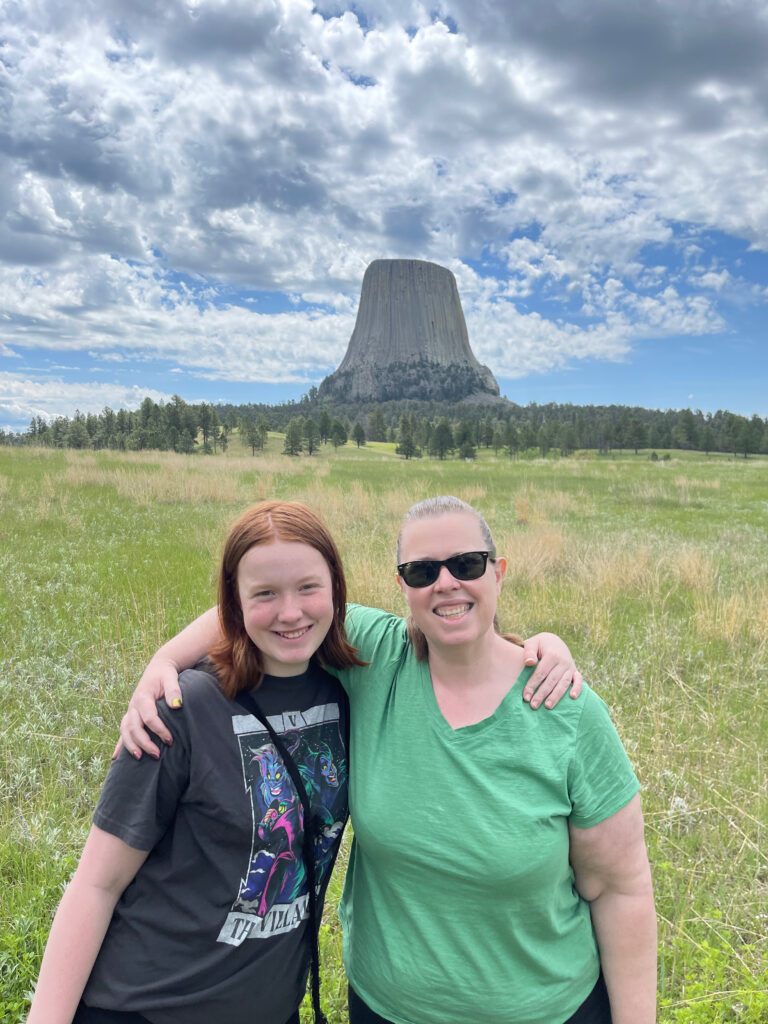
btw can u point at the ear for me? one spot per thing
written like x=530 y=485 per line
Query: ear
x=399 y=581
x=500 y=568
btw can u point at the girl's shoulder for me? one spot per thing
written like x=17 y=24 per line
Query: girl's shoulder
x=202 y=700
x=201 y=681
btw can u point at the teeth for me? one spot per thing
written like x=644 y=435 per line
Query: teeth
x=293 y=636
x=452 y=613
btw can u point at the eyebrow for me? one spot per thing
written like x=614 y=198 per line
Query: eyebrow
x=266 y=581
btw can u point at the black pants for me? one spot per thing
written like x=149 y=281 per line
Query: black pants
x=594 y=1010
x=93 y=1015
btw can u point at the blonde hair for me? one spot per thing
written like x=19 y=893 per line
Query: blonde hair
x=445 y=505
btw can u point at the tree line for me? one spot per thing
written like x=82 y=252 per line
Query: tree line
x=437 y=429
x=554 y=429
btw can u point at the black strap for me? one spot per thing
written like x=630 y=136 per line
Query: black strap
x=248 y=701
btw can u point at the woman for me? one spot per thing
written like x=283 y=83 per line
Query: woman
x=498 y=861
x=460 y=902
x=200 y=887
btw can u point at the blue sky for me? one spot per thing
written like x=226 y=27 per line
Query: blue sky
x=189 y=195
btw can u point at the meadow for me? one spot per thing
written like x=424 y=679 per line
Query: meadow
x=654 y=572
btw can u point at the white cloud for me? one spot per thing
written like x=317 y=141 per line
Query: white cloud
x=713 y=280
x=158 y=159
x=22 y=397
x=114 y=306
x=516 y=344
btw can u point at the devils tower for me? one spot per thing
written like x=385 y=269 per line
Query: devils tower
x=410 y=340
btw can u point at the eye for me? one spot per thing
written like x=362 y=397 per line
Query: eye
x=309 y=586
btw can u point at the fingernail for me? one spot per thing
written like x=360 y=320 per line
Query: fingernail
x=136 y=754
x=535 y=703
x=176 y=702
x=526 y=695
x=156 y=757
x=548 y=703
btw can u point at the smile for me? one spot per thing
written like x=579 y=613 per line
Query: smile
x=454 y=612
x=294 y=635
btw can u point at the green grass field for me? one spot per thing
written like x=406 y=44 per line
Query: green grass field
x=656 y=574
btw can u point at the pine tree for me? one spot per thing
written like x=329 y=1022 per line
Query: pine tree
x=263 y=430
x=294 y=437
x=311 y=435
x=441 y=441
x=407 y=447
x=463 y=433
x=377 y=428
x=250 y=434
x=338 y=434
x=205 y=420
x=77 y=435
x=324 y=423
x=511 y=439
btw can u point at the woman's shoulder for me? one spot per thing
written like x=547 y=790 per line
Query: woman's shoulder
x=567 y=721
x=601 y=777
x=585 y=713
x=372 y=629
x=592 y=707
x=380 y=639
x=363 y=615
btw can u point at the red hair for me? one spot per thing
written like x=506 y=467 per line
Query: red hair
x=237 y=659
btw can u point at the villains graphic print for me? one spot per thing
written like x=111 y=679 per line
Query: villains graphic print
x=273 y=893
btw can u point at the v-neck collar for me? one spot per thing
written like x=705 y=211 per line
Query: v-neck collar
x=436 y=716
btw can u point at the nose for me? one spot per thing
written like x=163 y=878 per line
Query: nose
x=289 y=610
x=445 y=581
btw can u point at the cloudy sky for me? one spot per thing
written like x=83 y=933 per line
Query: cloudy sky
x=190 y=193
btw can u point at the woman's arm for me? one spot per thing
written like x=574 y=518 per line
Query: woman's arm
x=555 y=674
x=610 y=862
x=106 y=867
x=161 y=679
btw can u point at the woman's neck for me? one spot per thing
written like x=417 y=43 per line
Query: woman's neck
x=469 y=682
x=464 y=664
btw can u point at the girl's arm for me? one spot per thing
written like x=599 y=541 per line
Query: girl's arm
x=555 y=675
x=106 y=867
x=610 y=863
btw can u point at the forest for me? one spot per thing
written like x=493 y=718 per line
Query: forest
x=438 y=429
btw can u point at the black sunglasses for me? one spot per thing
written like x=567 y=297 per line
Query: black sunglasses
x=424 y=571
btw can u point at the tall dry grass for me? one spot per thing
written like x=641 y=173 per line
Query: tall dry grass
x=655 y=573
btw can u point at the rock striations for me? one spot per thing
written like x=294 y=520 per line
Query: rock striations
x=410 y=340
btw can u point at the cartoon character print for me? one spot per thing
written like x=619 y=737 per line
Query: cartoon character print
x=322 y=776
x=276 y=873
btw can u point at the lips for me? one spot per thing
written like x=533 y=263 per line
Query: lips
x=294 y=634
x=454 y=611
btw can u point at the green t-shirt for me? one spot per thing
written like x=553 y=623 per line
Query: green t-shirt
x=459 y=903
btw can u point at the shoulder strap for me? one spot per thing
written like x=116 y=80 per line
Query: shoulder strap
x=248 y=701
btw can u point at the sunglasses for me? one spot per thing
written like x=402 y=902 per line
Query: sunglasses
x=424 y=571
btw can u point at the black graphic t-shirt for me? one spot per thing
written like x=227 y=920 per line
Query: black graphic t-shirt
x=213 y=926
